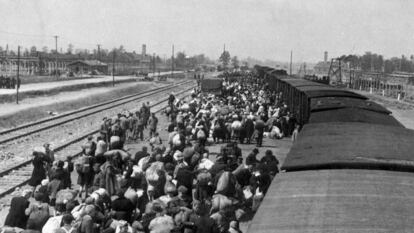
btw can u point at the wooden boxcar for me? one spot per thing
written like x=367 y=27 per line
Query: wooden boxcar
x=351 y=168
x=212 y=85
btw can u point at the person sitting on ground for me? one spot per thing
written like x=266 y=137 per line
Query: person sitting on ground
x=16 y=216
x=271 y=162
x=38 y=212
x=251 y=158
x=67 y=221
x=123 y=207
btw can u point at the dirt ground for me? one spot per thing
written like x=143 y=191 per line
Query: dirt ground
x=32 y=109
x=401 y=110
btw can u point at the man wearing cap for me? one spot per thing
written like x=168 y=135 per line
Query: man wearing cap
x=50 y=156
x=139 y=126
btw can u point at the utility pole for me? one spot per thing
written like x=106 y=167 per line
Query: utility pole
x=172 y=62
x=7 y=51
x=113 y=68
x=99 y=52
x=18 y=78
x=304 y=67
x=290 y=69
x=56 y=37
x=153 y=65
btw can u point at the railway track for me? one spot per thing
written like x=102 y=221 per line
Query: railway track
x=38 y=126
x=68 y=129
x=18 y=174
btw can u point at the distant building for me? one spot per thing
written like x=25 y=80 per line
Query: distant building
x=144 y=50
x=88 y=66
x=321 y=69
x=398 y=77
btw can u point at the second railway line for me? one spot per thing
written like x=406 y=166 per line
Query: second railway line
x=62 y=134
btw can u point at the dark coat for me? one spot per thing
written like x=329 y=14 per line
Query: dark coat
x=185 y=177
x=16 y=216
x=108 y=180
x=123 y=208
x=203 y=224
x=39 y=171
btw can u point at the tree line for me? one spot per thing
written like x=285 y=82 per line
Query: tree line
x=376 y=63
x=120 y=54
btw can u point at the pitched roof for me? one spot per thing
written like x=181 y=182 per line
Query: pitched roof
x=89 y=63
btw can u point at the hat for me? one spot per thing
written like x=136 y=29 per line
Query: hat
x=255 y=150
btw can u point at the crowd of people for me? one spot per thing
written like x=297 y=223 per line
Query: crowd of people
x=8 y=82
x=171 y=185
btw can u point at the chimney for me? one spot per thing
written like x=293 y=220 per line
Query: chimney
x=144 y=49
x=325 y=58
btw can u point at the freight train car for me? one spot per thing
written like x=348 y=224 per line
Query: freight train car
x=212 y=85
x=351 y=168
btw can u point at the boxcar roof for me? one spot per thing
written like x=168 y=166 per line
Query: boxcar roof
x=323 y=103
x=337 y=201
x=326 y=91
x=352 y=145
x=353 y=115
x=302 y=82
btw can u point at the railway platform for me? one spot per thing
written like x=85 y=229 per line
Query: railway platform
x=45 y=86
x=34 y=87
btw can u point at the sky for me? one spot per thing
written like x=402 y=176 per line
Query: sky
x=265 y=29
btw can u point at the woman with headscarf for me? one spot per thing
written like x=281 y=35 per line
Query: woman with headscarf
x=39 y=170
x=16 y=216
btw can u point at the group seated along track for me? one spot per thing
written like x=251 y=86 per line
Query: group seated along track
x=10 y=181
